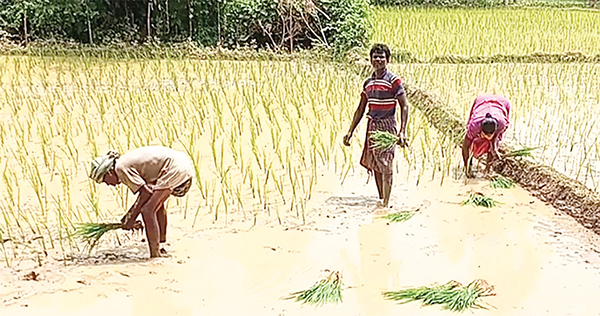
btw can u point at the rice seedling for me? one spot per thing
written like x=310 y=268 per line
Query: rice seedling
x=522 y=152
x=500 y=182
x=452 y=296
x=326 y=291
x=92 y=232
x=479 y=199
x=400 y=216
x=382 y=140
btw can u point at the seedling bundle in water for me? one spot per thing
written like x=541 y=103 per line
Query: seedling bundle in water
x=452 y=295
x=479 y=199
x=500 y=182
x=400 y=216
x=381 y=140
x=327 y=290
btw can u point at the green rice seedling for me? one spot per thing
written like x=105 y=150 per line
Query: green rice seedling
x=522 y=152
x=500 y=182
x=452 y=296
x=382 y=140
x=92 y=232
x=479 y=199
x=325 y=291
x=400 y=216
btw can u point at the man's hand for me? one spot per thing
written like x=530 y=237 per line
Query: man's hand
x=347 y=139
x=402 y=141
x=128 y=222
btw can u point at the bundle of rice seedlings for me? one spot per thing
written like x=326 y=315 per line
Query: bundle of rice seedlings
x=452 y=295
x=500 y=182
x=327 y=290
x=400 y=216
x=479 y=199
x=523 y=152
x=382 y=140
x=92 y=232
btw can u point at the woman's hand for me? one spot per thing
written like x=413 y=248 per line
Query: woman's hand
x=469 y=173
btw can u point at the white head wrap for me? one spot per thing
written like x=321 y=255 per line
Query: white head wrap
x=102 y=165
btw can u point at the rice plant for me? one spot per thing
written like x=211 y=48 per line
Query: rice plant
x=500 y=182
x=517 y=31
x=479 y=199
x=567 y=143
x=452 y=296
x=326 y=291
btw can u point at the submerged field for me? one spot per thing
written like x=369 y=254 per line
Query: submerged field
x=555 y=107
x=427 y=33
x=263 y=136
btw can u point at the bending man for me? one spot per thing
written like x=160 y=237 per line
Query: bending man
x=153 y=173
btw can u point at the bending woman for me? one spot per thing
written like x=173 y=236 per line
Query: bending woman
x=488 y=121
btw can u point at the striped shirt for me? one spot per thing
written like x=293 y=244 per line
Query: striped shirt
x=381 y=93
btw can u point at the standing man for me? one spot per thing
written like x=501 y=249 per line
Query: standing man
x=487 y=123
x=153 y=173
x=381 y=93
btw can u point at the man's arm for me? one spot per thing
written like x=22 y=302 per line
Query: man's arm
x=144 y=193
x=403 y=102
x=358 y=114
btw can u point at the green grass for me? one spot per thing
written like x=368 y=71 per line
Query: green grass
x=500 y=182
x=452 y=296
x=325 y=291
x=479 y=199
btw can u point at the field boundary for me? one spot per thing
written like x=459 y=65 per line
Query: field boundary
x=547 y=184
x=555 y=58
x=152 y=50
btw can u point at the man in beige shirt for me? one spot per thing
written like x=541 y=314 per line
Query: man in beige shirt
x=153 y=173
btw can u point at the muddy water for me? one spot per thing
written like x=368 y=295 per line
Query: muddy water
x=540 y=263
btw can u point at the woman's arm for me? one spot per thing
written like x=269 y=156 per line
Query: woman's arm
x=466 y=147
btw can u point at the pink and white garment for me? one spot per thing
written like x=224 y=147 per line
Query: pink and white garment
x=499 y=108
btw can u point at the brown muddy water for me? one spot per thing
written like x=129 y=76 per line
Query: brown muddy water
x=539 y=262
